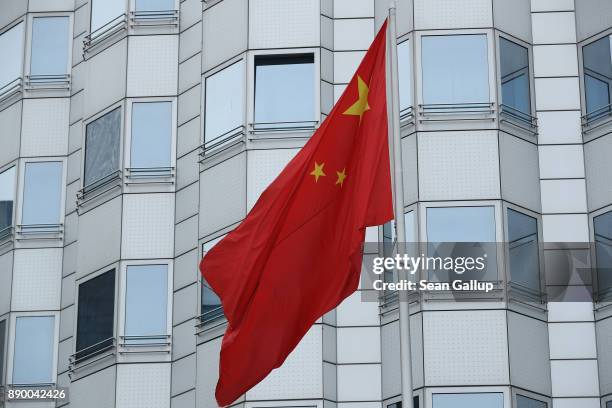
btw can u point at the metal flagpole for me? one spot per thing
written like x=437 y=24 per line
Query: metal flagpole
x=398 y=197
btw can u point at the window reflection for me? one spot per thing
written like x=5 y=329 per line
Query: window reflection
x=42 y=193
x=7 y=199
x=105 y=11
x=49 y=46
x=151 y=135
x=524 y=402
x=146 y=303
x=224 y=102
x=102 y=138
x=11 y=54
x=515 y=79
x=34 y=349
x=597 y=61
x=523 y=253
x=603 y=250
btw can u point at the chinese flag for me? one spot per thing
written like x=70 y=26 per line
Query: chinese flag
x=298 y=253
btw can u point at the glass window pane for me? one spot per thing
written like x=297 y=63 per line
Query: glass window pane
x=33 y=358
x=523 y=249
x=42 y=192
x=455 y=69
x=448 y=227
x=603 y=250
x=7 y=198
x=146 y=301
x=405 y=75
x=151 y=134
x=284 y=90
x=515 y=76
x=102 y=146
x=104 y=11
x=154 y=5
x=597 y=60
x=224 y=101
x=49 y=46
x=609 y=404
x=524 y=402
x=11 y=54
x=2 y=349
x=96 y=314
x=490 y=400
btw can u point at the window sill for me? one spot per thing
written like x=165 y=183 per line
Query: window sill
x=10 y=92
x=39 y=232
x=282 y=130
x=108 y=186
x=56 y=83
x=211 y=322
x=223 y=143
x=597 y=123
x=105 y=36
x=158 y=18
x=149 y=175
x=456 y=112
x=517 y=121
x=145 y=345
x=92 y=356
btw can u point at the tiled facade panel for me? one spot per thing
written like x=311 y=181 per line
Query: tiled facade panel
x=45 y=127
x=353 y=34
x=152 y=68
x=37 y=284
x=359 y=382
x=143 y=386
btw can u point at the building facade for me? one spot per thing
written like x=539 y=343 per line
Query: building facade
x=134 y=134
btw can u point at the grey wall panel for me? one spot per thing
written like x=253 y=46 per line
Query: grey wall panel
x=330 y=343
x=353 y=8
x=189 y=73
x=186 y=236
x=592 y=17
x=71 y=227
x=152 y=65
x=598 y=168
x=528 y=346
x=189 y=104
x=185 y=304
x=71 y=196
x=86 y=391
x=106 y=74
x=65 y=349
x=553 y=28
x=188 y=137
x=66 y=328
x=81 y=20
x=186 y=269
x=559 y=127
x=10 y=123
x=330 y=381
x=191 y=13
x=215 y=21
x=74 y=167
x=187 y=169
x=75 y=136
x=99 y=237
x=70 y=259
x=143 y=386
x=410 y=171
x=184 y=339
x=572 y=340
x=223 y=194
x=405 y=15
x=6 y=276
x=391 y=370
x=353 y=34
x=76 y=106
x=432 y=14
x=183 y=374
x=353 y=312
x=12 y=9
x=50 y=5
x=513 y=17
x=520 y=175
x=603 y=331
x=68 y=291
x=191 y=42
x=77 y=49
x=207 y=375
x=327 y=33
x=187 y=202
x=552 y=5
x=186 y=400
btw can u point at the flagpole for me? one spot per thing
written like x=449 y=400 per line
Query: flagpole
x=398 y=197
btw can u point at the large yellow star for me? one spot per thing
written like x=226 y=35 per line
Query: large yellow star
x=318 y=171
x=361 y=106
x=341 y=177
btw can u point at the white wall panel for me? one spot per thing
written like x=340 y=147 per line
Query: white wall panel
x=208 y=373
x=345 y=65
x=143 y=386
x=152 y=65
x=186 y=400
x=216 y=21
x=458 y=165
x=557 y=93
x=465 y=348
x=300 y=376
x=45 y=127
x=262 y=168
x=353 y=34
x=561 y=161
x=564 y=196
x=87 y=392
x=10 y=123
x=223 y=194
x=106 y=74
x=37 y=282
x=572 y=340
x=574 y=378
x=555 y=60
x=432 y=14
x=355 y=312
x=598 y=169
x=566 y=228
x=358 y=345
x=570 y=311
x=284 y=23
x=553 y=28
x=148 y=226
x=576 y=402
x=353 y=8
x=520 y=174
x=559 y=127
x=359 y=382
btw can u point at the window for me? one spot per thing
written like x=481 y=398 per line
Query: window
x=224 y=102
x=489 y=400
x=404 y=76
x=284 y=91
x=603 y=251
x=7 y=199
x=151 y=142
x=2 y=349
x=102 y=139
x=597 y=61
x=415 y=403
x=96 y=315
x=523 y=252
x=50 y=37
x=34 y=349
x=210 y=307
x=389 y=240
x=154 y=5
x=42 y=193
x=105 y=11
x=514 y=61
x=11 y=54
x=609 y=404
x=524 y=402
x=146 y=304
x=462 y=231
x=455 y=69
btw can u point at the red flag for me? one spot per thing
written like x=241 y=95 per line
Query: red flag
x=298 y=253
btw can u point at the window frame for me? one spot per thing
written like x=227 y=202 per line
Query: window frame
x=205 y=246
x=16 y=85
x=127 y=142
x=507 y=396
x=408 y=115
x=599 y=304
x=16 y=198
x=531 y=395
x=250 y=91
x=121 y=308
x=62 y=84
x=10 y=350
x=498 y=87
x=4 y=350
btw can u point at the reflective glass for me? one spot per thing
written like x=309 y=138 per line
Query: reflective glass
x=515 y=76
x=597 y=61
x=42 y=193
x=523 y=249
x=11 y=54
x=603 y=250
x=224 y=101
x=34 y=345
x=524 y=402
x=404 y=76
x=102 y=146
x=489 y=400
x=154 y=5
x=455 y=69
x=7 y=198
x=49 y=46
x=105 y=11
x=96 y=314
x=146 y=301
x=284 y=90
x=151 y=135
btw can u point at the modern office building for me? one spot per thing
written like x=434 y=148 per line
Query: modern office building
x=134 y=134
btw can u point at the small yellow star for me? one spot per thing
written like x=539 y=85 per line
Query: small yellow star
x=318 y=171
x=361 y=106
x=341 y=177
